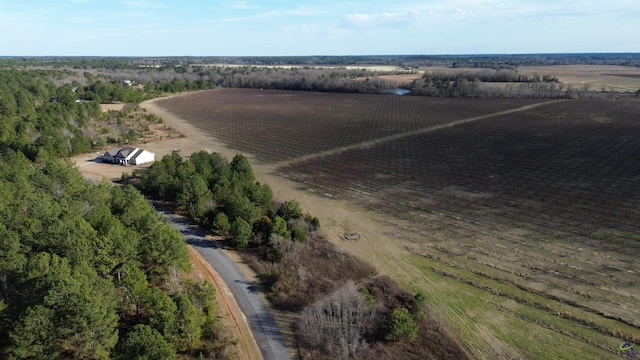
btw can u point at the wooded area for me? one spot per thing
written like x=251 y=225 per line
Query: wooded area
x=86 y=270
x=137 y=79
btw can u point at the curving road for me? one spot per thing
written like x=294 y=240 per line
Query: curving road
x=263 y=326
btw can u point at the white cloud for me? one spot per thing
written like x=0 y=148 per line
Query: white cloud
x=267 y=15
x=376 y=17
x=242 y=5
x=100 y=17
x=142 y=4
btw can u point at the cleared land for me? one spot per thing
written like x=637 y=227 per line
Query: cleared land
x=282 y=125
x=522 y=227
x=592 y=77
x=596 y=78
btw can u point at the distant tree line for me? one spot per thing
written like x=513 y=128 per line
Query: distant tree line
x=137 y=83
x=479 y=85
x=492 y=61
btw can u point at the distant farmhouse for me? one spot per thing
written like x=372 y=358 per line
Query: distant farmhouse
x=128 y=156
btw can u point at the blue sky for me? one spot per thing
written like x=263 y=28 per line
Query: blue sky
x=327 y=27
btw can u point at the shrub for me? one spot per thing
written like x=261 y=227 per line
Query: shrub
x=418 y=306
x=290 y=209
x=401 y=326
x=315 y=222
x=298 y=235
x=368 y=297
x=279 y=227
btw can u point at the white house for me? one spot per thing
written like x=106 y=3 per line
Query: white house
x=128 y=156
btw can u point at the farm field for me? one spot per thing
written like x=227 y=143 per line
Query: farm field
x=596 y=78
x=282 y=125
x=520 y=216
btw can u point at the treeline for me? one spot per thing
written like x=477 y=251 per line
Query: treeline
x=492 y=61
x=513 y=61
x=57 y=112
x=74 y=62
x=479 y=84
x=460 y=83
x=137 y=85
x=345 y=310
x=86 y=271
x=156 y=81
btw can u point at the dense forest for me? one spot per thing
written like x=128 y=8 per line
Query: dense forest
x=86 y=270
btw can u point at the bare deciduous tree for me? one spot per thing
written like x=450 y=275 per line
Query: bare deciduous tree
x=339 y=322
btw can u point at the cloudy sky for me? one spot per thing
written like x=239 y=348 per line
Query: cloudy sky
x=323 y=27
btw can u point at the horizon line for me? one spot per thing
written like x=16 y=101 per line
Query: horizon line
x=319 y=55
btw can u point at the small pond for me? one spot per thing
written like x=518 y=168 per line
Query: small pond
x=397 y=91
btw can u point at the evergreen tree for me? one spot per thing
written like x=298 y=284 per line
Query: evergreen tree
x=221 y=224
x=401 y=326
x=144 y=343
x=240 y=233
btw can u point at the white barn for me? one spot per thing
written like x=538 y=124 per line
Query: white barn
x=128 y=156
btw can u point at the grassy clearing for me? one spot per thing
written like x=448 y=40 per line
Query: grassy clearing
x=596 y=78
x=516 y=288
x=515 y=328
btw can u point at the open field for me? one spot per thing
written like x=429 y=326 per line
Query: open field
x=281 y=125
x=592 y=77
x=520 y=222
x=595 y=77
x=540 y=206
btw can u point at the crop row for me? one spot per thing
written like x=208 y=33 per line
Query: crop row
x=564 y=176
x=278 y=125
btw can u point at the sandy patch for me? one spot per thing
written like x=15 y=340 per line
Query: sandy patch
x=400 y=79
x=114 y=107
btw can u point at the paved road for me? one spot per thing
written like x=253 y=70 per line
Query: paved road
x=263 y=326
